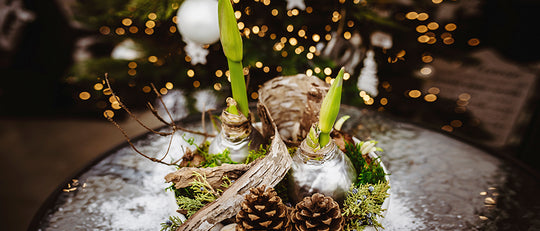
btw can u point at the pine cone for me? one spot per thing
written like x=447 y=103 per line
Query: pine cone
x=263 y=209
x=317 y=213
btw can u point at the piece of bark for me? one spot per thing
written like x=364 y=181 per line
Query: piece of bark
x=183 y=177
x=294 y=103
x=268 y=171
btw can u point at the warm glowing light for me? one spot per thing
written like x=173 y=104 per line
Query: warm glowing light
x=255 y=29
x=328 y=28
x=132 y=72
x=163 y=91
x=107 y=91
x=328 y=79
x=434 y=90
x=133 y=29
x=266 y=69
x=217 y=86
x=132 y=65
x=436 y=1
x=301 y=33
x=169 y=85
x=284 y=54
x=120 y=31
x=196 y=84
x=152 y=59
x=279 y=68
x=464 y=96
x=447 y=128
x=328 y=37
x=113 y=99
x=473 y=42
x=190 y=73
x=456 y=123
x=98 y=86
x=219 y=73
x=275 y=12
x=309 y=9
x=290 y=28
x=309 y=72
x=146 y=89
x=415 y=93
x=401 y=53
x=108 y=114
x=312 y=49
x=445 y=35
x=266 y=2
x=422 y=16
x=433 y=26
x=148 y=31
x=172 y=29
x=327 y=71
x=240 y=25
x=370 y=101
x=116 y=105
x=309 y=55
x=347 y=35
x=350 y=23
x=421 y=29
x=150 y=24
x=316 y=37
x=423 y=38
x=448 y=40
x=427 y=59
x=293 y=41
x=254 y=95
x=411 y=15
x=346 y=76
x=317 y=70
x=425 y=70
x=228 y=74
x=174 y=19
x=175 y=6
x=295 y=12
x=84 y=95
x=152 y=16
x=105 y=30
x=450 y=27
x=384 y=101
x=127 y=22
x=430 y=98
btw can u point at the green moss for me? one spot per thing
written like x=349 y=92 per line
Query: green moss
x=368 y=173
x=172 y=224
x=256 y=154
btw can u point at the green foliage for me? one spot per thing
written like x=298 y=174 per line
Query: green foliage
x=198 y=194
x=368 y=173
x=256 y=154
x=210 y=160
x=172 y=224
x=363 y=204
x=330 y=109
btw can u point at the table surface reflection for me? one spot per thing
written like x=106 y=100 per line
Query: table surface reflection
x=438 y=183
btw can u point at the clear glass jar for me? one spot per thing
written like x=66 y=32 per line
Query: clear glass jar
x=328 y=171
x=238 y=135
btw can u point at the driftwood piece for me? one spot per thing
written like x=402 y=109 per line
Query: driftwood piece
x=184 y=176
x=294 y=103
x=268 y=171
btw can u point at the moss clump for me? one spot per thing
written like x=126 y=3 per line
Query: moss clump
x=369 y=171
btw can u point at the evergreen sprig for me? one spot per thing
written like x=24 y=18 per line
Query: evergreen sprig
x=198 y=194
x=210 y=159
x=172 y=224
x=362 y=205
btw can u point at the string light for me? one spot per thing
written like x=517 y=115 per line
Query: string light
x=190 y=73
x=120 y=31
x=98 y=86
x=219 y=73
x=108 y=114
x=217 y=86
x=146 y=89
x=450 y=27
x=152 y=16
x=473 y=42
x=104 y=30
x=126 y=22
x=133 y=29
x=169 y=85
x=84 y=95
x=163 y=91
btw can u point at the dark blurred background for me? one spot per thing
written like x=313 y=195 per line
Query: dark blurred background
x=54 y=54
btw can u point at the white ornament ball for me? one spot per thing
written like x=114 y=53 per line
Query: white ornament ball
x=197 y=20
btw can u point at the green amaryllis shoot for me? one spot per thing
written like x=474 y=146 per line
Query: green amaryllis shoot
x=232 y=47
x=330 y=109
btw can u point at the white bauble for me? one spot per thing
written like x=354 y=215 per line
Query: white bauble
x=197 y=21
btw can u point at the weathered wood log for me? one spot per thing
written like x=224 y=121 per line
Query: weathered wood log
x=268 y=171
x=183 y=177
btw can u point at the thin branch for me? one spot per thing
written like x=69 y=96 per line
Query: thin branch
x=130 y=113
x=163 y=103
x=133 y=146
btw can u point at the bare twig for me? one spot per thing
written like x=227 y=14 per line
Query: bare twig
x=172 y=125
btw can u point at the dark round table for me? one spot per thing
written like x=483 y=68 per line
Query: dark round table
x=438 y=182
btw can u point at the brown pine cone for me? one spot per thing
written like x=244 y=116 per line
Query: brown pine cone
x=317 y=213
x=262 y=209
